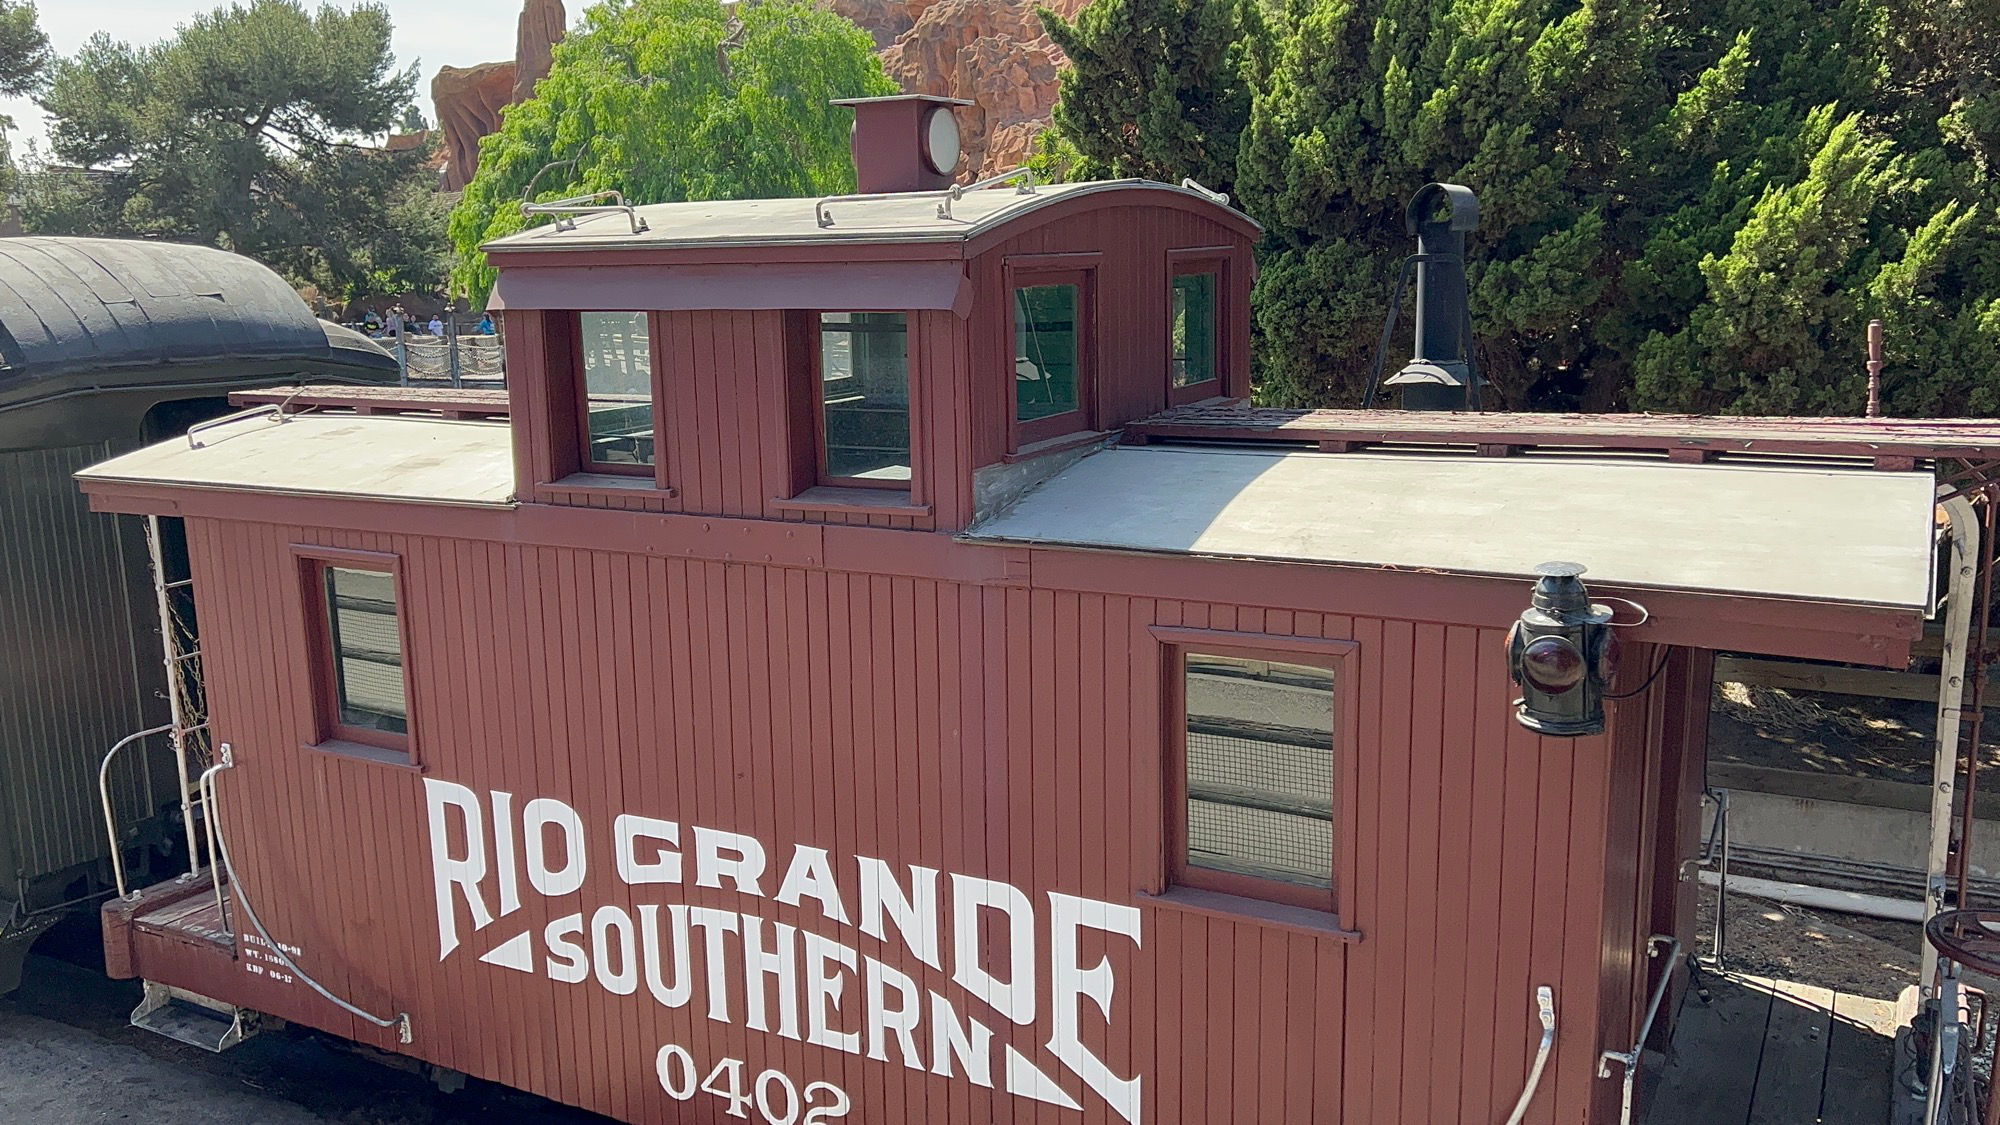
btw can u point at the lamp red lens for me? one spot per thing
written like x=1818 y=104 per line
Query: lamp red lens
x=1552 y=664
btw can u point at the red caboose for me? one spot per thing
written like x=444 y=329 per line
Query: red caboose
x=870 y=665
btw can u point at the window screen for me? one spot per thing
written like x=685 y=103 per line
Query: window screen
x=1194 y=327
x=1047 y=340
x=617 y=377
x=367 y=650
x=865 y=396
x=1260 y=768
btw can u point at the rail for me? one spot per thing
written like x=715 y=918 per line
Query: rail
x=104 y=797
x=1220 y=198
x=1630 y=1059
x=945 y=196
x=401 y=1021
x=566 y=210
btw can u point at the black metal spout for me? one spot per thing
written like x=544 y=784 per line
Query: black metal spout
x=1440 y=374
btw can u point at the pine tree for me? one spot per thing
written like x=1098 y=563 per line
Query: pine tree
x=250 y=130
x=1690 y=205
x=1155 y=88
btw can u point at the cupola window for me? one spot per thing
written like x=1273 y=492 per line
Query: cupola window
x=1051 y=311
x=615 y=359
x=864 y=388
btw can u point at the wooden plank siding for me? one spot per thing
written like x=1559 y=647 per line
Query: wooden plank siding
x=996 y=729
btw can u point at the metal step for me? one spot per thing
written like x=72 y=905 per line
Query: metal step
x=194 y=1019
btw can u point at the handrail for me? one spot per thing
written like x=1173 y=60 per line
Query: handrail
x=1218 y=197
x=1630 y=1059
x=275 y=409
x=945 y=196
x=104 y=797
x=401 y=1022
x=1545 y=1003
x=566 y=210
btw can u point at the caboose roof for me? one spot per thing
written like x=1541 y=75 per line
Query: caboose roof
x=404 y=459
x=1804 y=533
x=912 y=217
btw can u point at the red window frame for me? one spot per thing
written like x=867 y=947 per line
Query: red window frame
x=580 y=396
x=1181 y=263
x=1061 y=270
x=815 y=391
x=328 y=732
x=1337 y=657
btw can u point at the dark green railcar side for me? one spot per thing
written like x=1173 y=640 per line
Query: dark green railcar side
x=106 y=345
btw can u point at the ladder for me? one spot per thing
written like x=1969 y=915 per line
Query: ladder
x=187 y=724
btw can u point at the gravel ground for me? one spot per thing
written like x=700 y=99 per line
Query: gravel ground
x=1858 y=956
x=68 y=1056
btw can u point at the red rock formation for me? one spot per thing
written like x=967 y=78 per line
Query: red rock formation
x=469 y=99
x=540 y=28
x=993 y=53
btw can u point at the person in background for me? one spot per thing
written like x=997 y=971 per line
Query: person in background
x=485 y=326
x=437 y=326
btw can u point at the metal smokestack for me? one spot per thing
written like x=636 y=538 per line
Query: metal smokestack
x=1440 y=374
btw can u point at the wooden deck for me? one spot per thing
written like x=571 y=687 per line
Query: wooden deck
x=1758 y=1051
x=197 y=916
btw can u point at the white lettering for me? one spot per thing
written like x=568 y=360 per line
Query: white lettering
x=915 y=915
x=823 y=992
x=537 y=816
x=1069 y=983
x=745 y=868
x=811 y=876
x=447 y=870
x=649 y=941
x=972 y=1045
x=567 y=961
x=1015 y=996
x=777 y=962
x=503 y=852
x=901 y=1019
x=714 y=923
x=607 y=920
x=664 y=866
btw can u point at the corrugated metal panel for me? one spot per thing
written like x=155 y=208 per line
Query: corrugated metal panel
x=999 y=731
x=78 y=668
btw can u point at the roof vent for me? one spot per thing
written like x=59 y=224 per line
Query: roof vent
x=1440 y=374
x=905 y=142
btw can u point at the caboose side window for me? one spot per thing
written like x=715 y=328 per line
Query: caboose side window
x=1253 y=780
x=864 y=391
x=615 y=379
x=1051 y=312
x=359 y=672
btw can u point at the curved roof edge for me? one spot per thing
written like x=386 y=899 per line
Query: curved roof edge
x=72 y=306
x=900 y=218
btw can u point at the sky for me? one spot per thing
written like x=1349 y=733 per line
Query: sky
x=432 y=33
